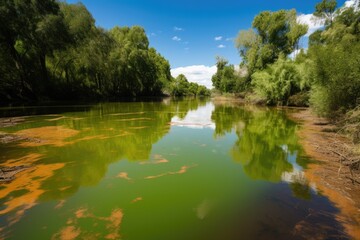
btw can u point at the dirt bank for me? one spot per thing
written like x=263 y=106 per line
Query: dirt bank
x=332 y=178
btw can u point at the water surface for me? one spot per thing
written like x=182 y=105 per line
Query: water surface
x=169 y=169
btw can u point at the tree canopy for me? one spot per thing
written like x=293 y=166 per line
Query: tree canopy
x=53 y=50
x=273 y=33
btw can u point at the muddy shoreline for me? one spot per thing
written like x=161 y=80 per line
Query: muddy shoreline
x=331 y=177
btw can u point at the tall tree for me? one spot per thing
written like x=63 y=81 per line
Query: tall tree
x=273 y=33
x=326 y=10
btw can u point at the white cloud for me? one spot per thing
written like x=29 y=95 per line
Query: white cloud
x=197 y=119
x=229 y=39
x=218 y=38
x=221 y=46
x=199 y=74
x=178 y=29
x=176 y=38
x=314 y=23
x=350 y=3
x=296 y=52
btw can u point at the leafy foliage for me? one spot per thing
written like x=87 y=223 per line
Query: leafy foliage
x=226 y=79
x=336 y=74
x=273 y=33
x=53 y=50
x=279 y=81
x=182 y=87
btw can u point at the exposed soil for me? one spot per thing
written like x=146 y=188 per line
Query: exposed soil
x=330 y=173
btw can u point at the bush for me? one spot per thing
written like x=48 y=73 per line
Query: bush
x=336 y=86
x=279 y=81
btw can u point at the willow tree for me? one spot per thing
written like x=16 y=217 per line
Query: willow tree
x=273 y=33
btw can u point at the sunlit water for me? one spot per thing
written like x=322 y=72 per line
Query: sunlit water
x=171 y=169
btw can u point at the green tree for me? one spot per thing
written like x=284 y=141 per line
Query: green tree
x=326 y=10
x=273 y=33
x=279 y=81
x=49 y=48
x=180 y=86
x=336 y=76
x=226 y=78
x=30 y=31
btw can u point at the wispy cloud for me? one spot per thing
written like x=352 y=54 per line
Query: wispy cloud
x=229 y=39
x=200 y=74
x=176 y=38
x=187 y=49
x=153 y=34
x=218 y=38
x=221 y=46
x=178 y=29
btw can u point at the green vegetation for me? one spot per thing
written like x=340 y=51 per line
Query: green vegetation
x=326 y=77
x=53 y=50
x=273 y=34
x=335 y=56
x=180 y=87
x=225 y=79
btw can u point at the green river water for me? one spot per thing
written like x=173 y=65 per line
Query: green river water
x=167 y=169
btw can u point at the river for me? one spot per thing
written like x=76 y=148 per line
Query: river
x=168 y=169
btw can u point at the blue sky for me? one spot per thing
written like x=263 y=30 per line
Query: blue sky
x=184 y=31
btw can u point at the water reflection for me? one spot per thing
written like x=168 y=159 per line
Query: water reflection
x=188 y=165
x=266 y=145
x=73 y=149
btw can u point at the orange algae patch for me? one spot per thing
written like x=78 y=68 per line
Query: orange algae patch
x=82 y=213
x=25 y=160
x=67 y=233
x=50 y=135
x=182 y=170
x=64 y=188
x=115 y=220
x=60 y=204
x=123 y=175
x=157 y=160
x=137 y=200
x=31 y=182
x=73 y=230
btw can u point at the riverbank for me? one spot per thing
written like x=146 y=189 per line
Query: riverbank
x=332 y=178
